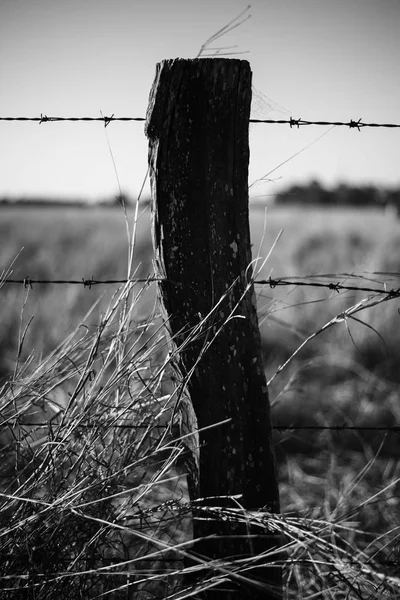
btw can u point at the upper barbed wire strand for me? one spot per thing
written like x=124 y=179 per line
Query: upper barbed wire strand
x=352 y=124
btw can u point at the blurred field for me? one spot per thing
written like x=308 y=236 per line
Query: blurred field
x=347 y=375
x=61 y=243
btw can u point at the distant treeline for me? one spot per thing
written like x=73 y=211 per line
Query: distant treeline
x=342 y=195
x=311 y=194
x=120 y=200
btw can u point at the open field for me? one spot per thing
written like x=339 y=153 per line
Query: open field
x=61 y=243
x=346 y=375
x=50 y=243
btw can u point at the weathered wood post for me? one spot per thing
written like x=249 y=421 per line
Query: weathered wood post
x=197 y=125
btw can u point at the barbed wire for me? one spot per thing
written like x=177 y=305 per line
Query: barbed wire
x=334 y=286
x=336 y=428
x=46 y=119
x=281 y=428
x=352 y=124
x=342 y=561
x=27 y=282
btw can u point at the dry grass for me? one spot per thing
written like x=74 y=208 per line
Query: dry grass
x=85 y=501
x=86 y=458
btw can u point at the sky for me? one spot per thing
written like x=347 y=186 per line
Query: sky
x=311 y=59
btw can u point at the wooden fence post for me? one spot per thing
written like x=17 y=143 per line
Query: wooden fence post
x=197 y=125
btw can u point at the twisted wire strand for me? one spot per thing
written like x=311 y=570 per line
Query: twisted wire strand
x=352 y=123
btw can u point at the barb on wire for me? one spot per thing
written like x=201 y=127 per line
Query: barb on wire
x=88 y=282
x=352 y=123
